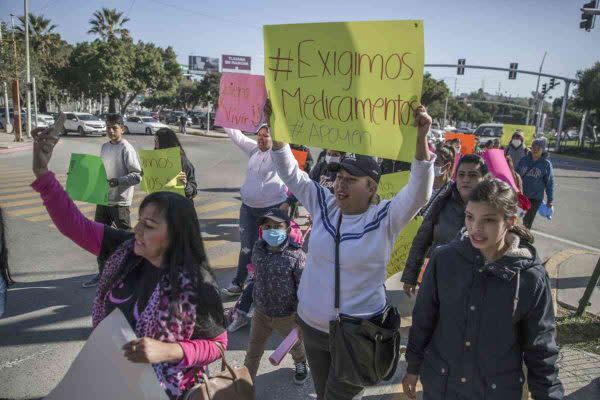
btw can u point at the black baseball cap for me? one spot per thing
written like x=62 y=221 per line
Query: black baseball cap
x=275 y=214
x=358 y=165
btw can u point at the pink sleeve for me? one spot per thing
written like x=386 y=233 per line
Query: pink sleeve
x=201 y=352
x=66 y=216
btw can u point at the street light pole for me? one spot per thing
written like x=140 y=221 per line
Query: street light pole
x=537 y=87
x=15 y=88
x=27 y=68
x=35 y=106
x=563 y=109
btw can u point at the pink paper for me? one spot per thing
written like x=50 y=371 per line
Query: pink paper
x=242 y=98
x=498 y=166
x=285 y=347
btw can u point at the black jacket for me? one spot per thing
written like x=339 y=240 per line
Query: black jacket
x=443 y=221
x=474 y=324
x=323 y=176
x=191 y=187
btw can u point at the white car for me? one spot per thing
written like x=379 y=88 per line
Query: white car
x=147 y=125
x=84 y=124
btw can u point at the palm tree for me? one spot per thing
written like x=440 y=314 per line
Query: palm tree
x=41 y=33
x=107 y=23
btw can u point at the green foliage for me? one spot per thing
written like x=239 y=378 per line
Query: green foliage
x=587 y=93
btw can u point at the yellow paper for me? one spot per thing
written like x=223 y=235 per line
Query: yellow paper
x=402 y=246
x=160 y=169
x=348 y=86
x=509 y=129
x=390 y=184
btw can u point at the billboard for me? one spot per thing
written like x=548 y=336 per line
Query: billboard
x=203 y=64
x=242 y=63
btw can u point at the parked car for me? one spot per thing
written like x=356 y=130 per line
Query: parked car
x=147 y=125
x=174 y=117
x=84 y=124
x=152 y=114
x=489 y=130
x=570 y=134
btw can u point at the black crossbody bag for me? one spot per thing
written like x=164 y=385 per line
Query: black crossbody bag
x=363 y=351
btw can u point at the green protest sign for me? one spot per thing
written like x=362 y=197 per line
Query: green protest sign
x=86 y=179
x=160 y=169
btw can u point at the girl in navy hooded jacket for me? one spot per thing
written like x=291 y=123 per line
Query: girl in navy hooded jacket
x=484 y=308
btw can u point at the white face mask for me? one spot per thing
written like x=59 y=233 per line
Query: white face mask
x=516 y=142
x=438 y=171
x=332 y=159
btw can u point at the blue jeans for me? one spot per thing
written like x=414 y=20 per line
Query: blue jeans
x=246 y=298
x=248 y=237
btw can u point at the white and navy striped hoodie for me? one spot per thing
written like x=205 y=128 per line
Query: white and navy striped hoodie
x=367 y=240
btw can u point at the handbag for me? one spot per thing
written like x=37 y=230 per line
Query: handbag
x=229 y=384
x=363 y=351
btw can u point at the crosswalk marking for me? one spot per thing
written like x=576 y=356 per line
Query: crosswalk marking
x=225 y=261
x=46 y=217
x=17 y=196
x=21 y=203
x=12 y=185
x=215 y=206
x=228 y=215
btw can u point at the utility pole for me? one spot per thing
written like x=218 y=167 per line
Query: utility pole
x=27 y=68
x=537 y=88
x=35 y=106
x=5 y=93
x=15 y=88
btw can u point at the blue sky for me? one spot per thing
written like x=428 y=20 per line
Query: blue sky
x=484 y=32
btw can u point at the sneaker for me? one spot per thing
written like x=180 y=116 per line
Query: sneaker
x=301 y=374
x=233 y=290
x=241 y=319
x=92 y=282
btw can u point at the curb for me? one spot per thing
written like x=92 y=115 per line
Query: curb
x=14 y=149
x=555 y=154
x=552 y=265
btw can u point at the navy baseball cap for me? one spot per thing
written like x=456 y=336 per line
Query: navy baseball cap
x=358 y=165
x=275 y=214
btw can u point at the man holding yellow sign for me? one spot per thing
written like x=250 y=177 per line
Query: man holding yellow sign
x=343 y=86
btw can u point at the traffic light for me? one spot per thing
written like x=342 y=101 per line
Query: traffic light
x=552 y=83
x=461 y=69
x=544 y=89
x=512 y=73
x=587 y=19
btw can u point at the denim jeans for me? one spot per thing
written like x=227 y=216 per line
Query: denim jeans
x=248 y=237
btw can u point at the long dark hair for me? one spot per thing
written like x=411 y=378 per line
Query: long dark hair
x=167 y=139
x=500 y=195
x=4 y=271
x=185 y=253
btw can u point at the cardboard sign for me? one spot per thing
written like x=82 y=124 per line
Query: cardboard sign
x=509 y=129
x=242 y=99
x=467 y=141
x=87 y=180
x=390 y=184
x=100 y=371
x=160 y=169
x=347 y=86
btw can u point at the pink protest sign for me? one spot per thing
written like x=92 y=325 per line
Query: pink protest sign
x=242 y=98
x=498 y=166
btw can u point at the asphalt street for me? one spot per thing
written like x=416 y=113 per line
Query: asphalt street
x=48 y=315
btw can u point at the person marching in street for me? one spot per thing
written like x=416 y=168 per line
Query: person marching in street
x=364 y=233
x=123 y=172
x=165 y=138
x=538 y=177
x=261 y=191
x=444 y=218
x=516 y=149
x=158 y=276
x=483 y=310
x=278 y=264
x=183 y=124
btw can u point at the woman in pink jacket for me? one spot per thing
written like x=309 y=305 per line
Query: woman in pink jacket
x=158 y=276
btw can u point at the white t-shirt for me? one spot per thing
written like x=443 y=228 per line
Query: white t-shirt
x=367 y=241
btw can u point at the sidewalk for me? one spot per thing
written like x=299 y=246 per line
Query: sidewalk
x=201 y=132
x=8 y=144
x=574 y=269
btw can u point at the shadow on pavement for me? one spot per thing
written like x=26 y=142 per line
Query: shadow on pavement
x=220 y=229
x=220 y=190
x=34 y=324
x=572 y=282
x=591 y=391
x=279 y=384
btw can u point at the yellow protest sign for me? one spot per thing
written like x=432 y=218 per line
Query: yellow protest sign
x=389 y=185
x=160 y=169
x=509 y=129
x=348 y=86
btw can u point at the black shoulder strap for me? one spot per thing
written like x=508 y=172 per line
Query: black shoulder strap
x=337 y=266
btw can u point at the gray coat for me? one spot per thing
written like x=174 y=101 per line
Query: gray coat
x=475 y=323
x=516 y=153
x=443 y=220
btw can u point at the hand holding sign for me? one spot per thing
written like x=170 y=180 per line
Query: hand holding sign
x=44 y=141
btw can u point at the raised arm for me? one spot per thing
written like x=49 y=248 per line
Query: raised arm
x=245 y=144
x=65 y=215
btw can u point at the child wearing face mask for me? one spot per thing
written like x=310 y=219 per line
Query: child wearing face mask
x=278 y=264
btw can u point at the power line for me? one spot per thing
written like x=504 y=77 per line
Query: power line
x=130 y=7
x=231 y=21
